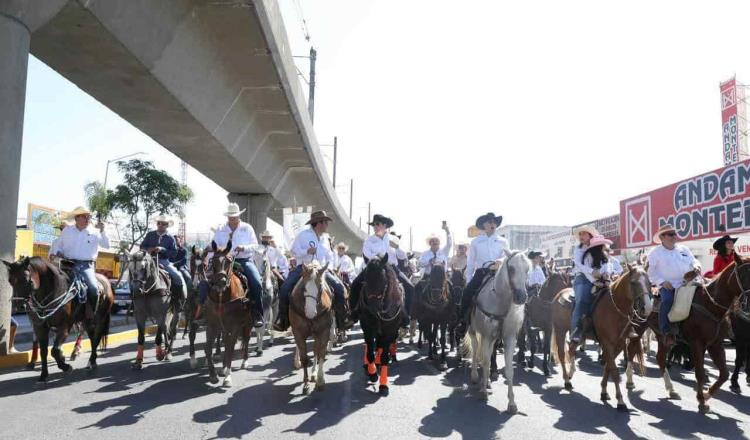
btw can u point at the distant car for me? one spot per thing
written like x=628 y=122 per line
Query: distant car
x=123 y=297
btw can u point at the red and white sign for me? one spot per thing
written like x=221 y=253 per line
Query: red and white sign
x=696 y=207
x=733 y=125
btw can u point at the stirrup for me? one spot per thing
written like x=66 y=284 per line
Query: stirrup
x=577 y=334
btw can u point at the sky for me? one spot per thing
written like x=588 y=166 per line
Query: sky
x=546 y=112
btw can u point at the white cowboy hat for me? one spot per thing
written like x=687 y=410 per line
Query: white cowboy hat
x=342 y=245
x=394 y=239
x=266 y=234
x=79 y=211
x=233 y=210
x=585 y=228
x=431 y=237
x=663 y=230
x=161 y=218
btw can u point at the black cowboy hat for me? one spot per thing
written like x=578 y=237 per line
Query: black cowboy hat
x=534 y=254
x=378 y=218
x=490 y=216
x=718 y=244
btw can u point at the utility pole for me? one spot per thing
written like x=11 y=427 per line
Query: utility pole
x=311 y=98
x=369 y=217
x=183 y=179
x=411 y=240
x=335 y=151
x=351 y=199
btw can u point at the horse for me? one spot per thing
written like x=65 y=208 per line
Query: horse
x=539 y=317
x=495 y=315
x=152 y=298
x=740 y=318
x=49 y=294
x=458 y=281
x=227 y=311
x=381 y=306
x=434 y=309
x=707 y=326
x=269 y=300
x=197 y=275
x=311 y=314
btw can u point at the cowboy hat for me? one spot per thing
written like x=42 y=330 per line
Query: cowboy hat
x=490 y=216
x=395 y=239
x=233 y=210
x=718 y=244
x=342 y=245
x=378 y=218
x=161 y=218
x=599 y=240
x=317 y=217
x=266 y=234
x=585 y=228
x=431 y=237
x=80 y=210
x=663 y=230
x=534 y=254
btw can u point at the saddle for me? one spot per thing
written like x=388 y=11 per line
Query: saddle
x=683 y=301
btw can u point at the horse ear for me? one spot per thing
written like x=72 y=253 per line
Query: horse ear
x=229 y=246
x=630 y=267
x=213 y=246
x=7 y=264
x=507 y=253
x=324 y=269
x=384 y=260
x=192 y=250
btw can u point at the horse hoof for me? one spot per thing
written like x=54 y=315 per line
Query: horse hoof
x=306 y=389
x=168 y=356
x=622 y=407
x=443 y=366
x=30 y=366
x=372 y=378
x=703 y=408
x=568 y=386
x=383 y=390
x=213 y=379
x=630 y=386
x=320 y=387
x=227 y=382
x=512 y=409
x=604 y=397
x=92 y=366
x=735 y=388
x=674 y=396
x=243 y=365
x=137 y=366
x=193 y=362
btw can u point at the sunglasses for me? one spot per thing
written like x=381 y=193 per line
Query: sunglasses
x=162 y=224
x=669 y=234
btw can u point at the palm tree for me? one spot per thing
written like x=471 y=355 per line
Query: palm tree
x=98 y=199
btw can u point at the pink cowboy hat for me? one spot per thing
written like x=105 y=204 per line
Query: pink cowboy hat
x=599 y=240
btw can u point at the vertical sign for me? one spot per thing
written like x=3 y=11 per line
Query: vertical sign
x=733 y=125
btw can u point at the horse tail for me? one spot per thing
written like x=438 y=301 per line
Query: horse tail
x=105 y=331
x=639 y=357
x=466 y=347
x=553 y=347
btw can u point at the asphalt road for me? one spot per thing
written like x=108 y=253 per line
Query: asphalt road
x=171 y=401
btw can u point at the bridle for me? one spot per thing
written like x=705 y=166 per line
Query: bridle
x=152 y=271
x=221 y=279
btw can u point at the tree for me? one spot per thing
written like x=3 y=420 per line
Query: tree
x=144 y=193
x=98 y=199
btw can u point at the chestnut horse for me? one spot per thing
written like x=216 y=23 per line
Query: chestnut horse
x=50 y=297
x=707 y=326
x=227 y=311
x=381 y=305
x=311 y=314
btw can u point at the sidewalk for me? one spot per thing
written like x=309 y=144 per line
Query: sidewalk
x=25 y=332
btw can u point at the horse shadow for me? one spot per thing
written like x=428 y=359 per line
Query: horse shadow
x=578 y=413
x=678 y=422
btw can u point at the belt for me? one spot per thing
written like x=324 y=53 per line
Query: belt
x=82 y=261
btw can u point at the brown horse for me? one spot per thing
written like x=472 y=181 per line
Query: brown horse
x=49 y=294
x=539 y=318
x=311 y=314
x=707 y=326
x=434 y=309
x=227 y=311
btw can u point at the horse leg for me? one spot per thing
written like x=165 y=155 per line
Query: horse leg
x=611 y=365
x=412 y=331
x=259 y=338
x=421 y=332
x=475 y=355
x=698 y=351
x=57 y=354
x=34 y=354
x=718 y=356
x=191 y=339
x=740 y=350
x=141 y=326
x=77 y=345
x=546 y=351
x=521 y=358
x=488 y=349
x=443 y=346
x=208 y=348
x=320 y=348
x=230 y=340
x=510 y=341
x=385 y=360
x=493 y=362
x=661 y=360
x=43 y=336
x=160 y=332
x=245 y=344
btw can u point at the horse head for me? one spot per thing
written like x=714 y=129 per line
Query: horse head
x=736 y=282
x=314 y=289
x=197 y=268
x=640 y=288
x=458 y=277
x=376 y=283
x=517 y=267
x=20 y=277
x=141 y=270
x=553 y=284
x=221 y=267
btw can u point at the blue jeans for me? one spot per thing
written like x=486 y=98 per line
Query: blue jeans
x=582 y=288
x=85 y=270
x=174 y=275
x=253 y=282
x=667 y=299
x=203 y=291
x=293 y=279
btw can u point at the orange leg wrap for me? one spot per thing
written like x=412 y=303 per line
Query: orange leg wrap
x=393 y=348
x=139 y=353
x=371 y=369
x=365 y=358
x=384 y=375
x=377 y=356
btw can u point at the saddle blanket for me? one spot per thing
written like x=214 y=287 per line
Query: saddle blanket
x=683 y=299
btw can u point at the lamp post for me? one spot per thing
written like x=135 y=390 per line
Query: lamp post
x=106 y=171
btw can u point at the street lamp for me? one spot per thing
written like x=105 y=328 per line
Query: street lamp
x=106 y=171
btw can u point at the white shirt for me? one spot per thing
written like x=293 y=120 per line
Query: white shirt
x=306 y=239
x=377 y=246
x=536 y=276
x=283 y=265
x=578 y=266
x=54 y=247
x=616 y=266
x=670 y=265
x=440 y=257
x=606 y=269
x=83 y=245
x=243 y=236
x=344 y=264
x=483 y=250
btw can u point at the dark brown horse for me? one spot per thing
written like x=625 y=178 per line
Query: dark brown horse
x=740 y=318
x=458 y=281
x=434 y=309
x=381 y=305
x=49 y=294
x=227 y=311
x=707 y=326
x=539 y=319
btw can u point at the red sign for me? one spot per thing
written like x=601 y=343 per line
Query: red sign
x=696 y=207
x=729 y=121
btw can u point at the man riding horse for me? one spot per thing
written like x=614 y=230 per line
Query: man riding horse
x=80 y=244
x=459 y=260
x=312 y=244
x=668 y=263
x=343 y=264
x=163 y=246
x=434 y=255
x=486 y=252
x=536 y=276
x=273 y=254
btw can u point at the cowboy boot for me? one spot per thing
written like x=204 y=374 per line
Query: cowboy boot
x=579 y=331
x=631 y=332
x=282 y=322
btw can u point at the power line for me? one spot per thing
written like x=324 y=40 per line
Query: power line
x=301 y=15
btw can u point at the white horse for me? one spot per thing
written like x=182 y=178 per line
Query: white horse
x=497 y=315
x=269 y=296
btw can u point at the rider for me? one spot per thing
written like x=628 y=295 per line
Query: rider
x=244 y=243
x=180 y=259
x=434 y=255
x=342 y=263
x=486 y=249
x=162 y=245
x=536 y=274
x=459 y=260
x=80 y=244
x=272 y=253
x=724 y=248
x=581 y=284
x=311 y=244
x=667 y=266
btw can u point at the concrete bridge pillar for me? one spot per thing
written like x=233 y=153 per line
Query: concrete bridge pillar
x=256 y=206
x=15 y=38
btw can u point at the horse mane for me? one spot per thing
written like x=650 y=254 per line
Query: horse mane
x=435 y=279
x=50 y=279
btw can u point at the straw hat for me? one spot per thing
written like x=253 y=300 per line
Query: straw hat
x=233 y=210
x=161 y=218
x=80 y=210
x=342 y=245
x=431 y=237
x=586 y=228
x=266 y=234
x=663 y=230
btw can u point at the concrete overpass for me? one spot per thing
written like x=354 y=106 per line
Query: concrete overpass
x=213 y=81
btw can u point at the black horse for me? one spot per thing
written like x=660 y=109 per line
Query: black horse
x=434 y=309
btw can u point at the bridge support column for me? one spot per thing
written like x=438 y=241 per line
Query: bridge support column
x=14 y=53
x=256 y=208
